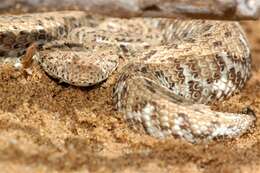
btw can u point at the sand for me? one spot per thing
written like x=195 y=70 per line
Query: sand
x=46 y=126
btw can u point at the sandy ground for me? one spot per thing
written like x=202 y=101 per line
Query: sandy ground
x=50 y=127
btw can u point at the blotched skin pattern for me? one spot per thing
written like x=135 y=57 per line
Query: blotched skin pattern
x=170 y=69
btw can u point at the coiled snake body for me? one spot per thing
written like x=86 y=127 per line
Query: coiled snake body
x=171 y=68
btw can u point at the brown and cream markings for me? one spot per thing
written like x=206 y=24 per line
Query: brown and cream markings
x=172 y=69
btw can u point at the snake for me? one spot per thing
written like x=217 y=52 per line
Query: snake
x=168 y=71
